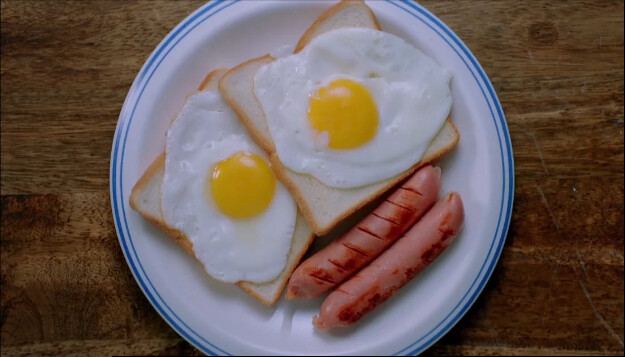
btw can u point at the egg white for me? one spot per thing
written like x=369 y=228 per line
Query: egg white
x=411 y=92
x=255 y=249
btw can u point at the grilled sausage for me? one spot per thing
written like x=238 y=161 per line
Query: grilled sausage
x=382 y=278
x=367 y=239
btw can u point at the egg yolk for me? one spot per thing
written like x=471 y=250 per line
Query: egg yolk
x=242 y=185
x=346 y=111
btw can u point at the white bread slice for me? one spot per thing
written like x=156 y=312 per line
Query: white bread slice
x=347 y=13
x=145 y=198
x=324 y=207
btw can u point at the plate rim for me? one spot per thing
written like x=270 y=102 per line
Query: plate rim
x=482 y=80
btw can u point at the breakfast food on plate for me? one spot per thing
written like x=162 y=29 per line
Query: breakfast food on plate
x=346 y=118
x=288 y=145
x=381 y=279
x=214 y=193
x=368 y=238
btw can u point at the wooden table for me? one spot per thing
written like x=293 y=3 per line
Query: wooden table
x=557 y=67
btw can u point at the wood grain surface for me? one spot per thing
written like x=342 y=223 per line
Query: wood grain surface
x=557 y=67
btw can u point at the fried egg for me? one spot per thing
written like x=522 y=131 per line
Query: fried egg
x=219 y=191
x=354 y=107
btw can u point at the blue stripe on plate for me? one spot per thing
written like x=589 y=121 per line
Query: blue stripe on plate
x=146 y=73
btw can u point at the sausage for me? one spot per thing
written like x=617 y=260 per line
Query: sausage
x=395 y=267
x=367 y=239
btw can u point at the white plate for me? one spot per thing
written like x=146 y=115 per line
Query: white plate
x=221 y=319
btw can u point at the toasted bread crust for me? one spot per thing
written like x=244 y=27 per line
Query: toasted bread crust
x=156 y=165
x=310 y=32
x=211 y=80
x=265 y=143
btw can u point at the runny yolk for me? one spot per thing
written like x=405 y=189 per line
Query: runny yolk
x=242 y=185
x=346 y=111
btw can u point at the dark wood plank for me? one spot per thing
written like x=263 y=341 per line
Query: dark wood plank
x=66 y=69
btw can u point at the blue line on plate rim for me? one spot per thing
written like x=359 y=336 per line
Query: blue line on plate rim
x=126 y=120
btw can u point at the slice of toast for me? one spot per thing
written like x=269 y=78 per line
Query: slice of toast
x=324 y=207
x=145 y=198
x=347 y=13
